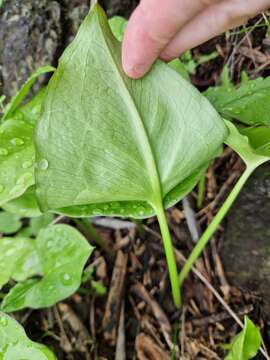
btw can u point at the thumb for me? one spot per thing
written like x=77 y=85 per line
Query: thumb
x=150 y=28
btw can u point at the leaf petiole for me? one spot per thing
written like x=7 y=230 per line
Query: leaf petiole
x=197 y=250
x=168 y=247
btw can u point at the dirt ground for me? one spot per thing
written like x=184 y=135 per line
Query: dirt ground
x=137 y=316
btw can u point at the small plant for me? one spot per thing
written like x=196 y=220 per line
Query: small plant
x=95 y=142
x=14 y=344
x=246 y=344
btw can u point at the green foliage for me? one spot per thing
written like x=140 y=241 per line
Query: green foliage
x=25 y=205
x=241 y=141
x=190 y=64
x=248 y=103
x=17 y=152
x=38 y=223
x=24 y=91
x=9 y=223
x=16 y=159
x=141 y=153
x=118 y=26
x=62 y=252
x=18 y=259
x=246 y=344
x=180 y=68
x=14 y=343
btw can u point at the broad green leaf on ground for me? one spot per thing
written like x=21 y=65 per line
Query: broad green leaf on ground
x=62 y=251
x=14 y=343
x=252 y=147
x=25 y=205
x=17 y=151
x=24 y=91
x=18 y=259
x=16 y=159
x=248 y=103
x=246 y=344
x=38 y=223
x=9 y=223
x=118 y=26
x=108 y=142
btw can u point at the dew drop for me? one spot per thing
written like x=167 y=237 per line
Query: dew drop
x=17 y=141
x=3 y=151
x=66 y=279
x=16 y=190
x=122 y=211
x=141 y=210
x=43 y=164
x=24 y=178
x=49 y=244
x=3 y=321
x=27 y=164
x=96 y=211
x=2 y=188
x=106 y=207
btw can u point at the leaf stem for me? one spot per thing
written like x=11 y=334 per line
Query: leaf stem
x=170 y=257
x=206 y=236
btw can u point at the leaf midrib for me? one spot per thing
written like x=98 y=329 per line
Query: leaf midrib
x=149 y=158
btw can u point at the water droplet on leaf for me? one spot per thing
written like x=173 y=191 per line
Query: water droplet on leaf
x=3 y=151
x=43 y=164
x=17 y=141
x=3 y=321
x=2 y=188
x=66 y=279
x=141 y=210
x=27 y=164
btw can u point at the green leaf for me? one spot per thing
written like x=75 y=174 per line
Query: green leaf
x=38 y=223
x=259 y=139
x=24 y=91
x=9 y=223
x=180 y=68
x=248 y=103
x=17 y=155
x=110 y=144
x=246 y=344
x=18 y=259
x=31 y=111
x=241 y=144
x=63 y=252
x=14 y=343
x=16 y=159
x=118 y=26
x=25 y=205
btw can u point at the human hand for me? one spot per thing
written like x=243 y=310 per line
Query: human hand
x=167 y=28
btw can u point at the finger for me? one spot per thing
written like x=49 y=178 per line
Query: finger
x=152 y=25
x=211 y=22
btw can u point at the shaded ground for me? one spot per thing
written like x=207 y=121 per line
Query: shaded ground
x=130 y=261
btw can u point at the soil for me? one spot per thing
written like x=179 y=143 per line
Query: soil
x=137 y=315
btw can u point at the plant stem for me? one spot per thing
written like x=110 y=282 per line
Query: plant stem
x=206 y=236
x=170 y=257
x=201 y=191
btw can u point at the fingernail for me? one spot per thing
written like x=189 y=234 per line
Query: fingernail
x=136 y=71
